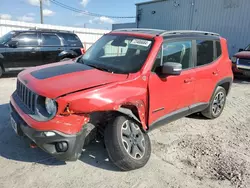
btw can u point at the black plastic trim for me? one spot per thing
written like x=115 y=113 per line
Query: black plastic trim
x=158 y=110
x=223 y=81
x=178 y=114
x=169 y=118
x=75 y=141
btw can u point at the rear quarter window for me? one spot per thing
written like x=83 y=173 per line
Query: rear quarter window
x=71 y=39
x=205 y=52
x=218 y=49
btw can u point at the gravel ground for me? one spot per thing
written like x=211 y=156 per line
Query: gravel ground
x=191 y=152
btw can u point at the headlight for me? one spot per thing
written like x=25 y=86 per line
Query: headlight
x=234 y=59
x=50 y=106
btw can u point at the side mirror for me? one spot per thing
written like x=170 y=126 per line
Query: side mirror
x=171 y=68
x=13 y=44
x=240 y=50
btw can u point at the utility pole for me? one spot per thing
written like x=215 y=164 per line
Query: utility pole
x=41 y=11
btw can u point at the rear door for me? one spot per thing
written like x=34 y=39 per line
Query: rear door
x=26 y=54
x=51 y=47
x=206 y=68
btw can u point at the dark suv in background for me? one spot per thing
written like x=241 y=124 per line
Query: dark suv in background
x=23 y=49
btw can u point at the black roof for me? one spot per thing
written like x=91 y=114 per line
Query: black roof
x=159 y=32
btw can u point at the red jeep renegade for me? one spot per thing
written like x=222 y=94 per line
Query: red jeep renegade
x=127 y=83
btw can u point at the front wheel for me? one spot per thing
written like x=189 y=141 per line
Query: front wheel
x=216 y=104
x=127 y=145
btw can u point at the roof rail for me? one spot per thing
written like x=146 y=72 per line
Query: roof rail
x=188 y=32
x=138 y=29
x=52 y=30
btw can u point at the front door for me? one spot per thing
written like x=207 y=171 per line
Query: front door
x=27 y=52
x=170 y=93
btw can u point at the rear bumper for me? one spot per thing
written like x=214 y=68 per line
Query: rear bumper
x=73 y=143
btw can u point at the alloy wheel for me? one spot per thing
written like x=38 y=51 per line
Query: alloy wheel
x=133 y=139
x=218 y=103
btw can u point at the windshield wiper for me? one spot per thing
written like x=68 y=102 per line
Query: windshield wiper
x=99 y=68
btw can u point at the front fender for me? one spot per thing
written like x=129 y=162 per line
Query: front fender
x=109 y=98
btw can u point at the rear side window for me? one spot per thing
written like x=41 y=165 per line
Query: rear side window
x=218 y=49
x=50 y=39
x=205 y=52
x=27 y=39
x=71 y=39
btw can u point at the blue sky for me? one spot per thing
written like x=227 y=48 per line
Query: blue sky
x=28 y=10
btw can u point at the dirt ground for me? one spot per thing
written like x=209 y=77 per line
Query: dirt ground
x=191 y=152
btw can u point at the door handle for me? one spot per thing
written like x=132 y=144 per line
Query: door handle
x=188 y=80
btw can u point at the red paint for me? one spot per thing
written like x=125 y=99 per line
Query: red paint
x=56 y=86
x=81 y=93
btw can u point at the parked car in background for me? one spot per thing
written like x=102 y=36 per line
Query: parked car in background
x=128 y=83
x=22 y=49
x=241 y=62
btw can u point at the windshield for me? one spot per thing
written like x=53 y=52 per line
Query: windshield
x=4 y=39
x=118 y=53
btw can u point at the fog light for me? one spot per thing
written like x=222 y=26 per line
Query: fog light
x=61 y=146
x=49 y=133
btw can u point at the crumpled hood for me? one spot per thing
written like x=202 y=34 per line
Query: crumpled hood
x=243 y=55
x=58 y=79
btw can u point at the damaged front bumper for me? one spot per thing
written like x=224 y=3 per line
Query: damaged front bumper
x=65 y=147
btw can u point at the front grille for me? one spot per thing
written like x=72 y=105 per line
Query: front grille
x=26 y=95
x=244 y=62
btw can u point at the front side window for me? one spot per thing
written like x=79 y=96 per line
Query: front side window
x=118 y=53
x=205 y=52
x=6 y=38
x=50 y=39
x=27 y=39
x=177 y=52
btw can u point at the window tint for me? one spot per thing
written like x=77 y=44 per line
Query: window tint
x=50 y=39
x=71 y=39
x=205 y=52
x=27 y=39
x=218 y=49
x=178 y=52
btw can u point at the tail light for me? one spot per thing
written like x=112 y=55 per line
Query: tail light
x=82 y=50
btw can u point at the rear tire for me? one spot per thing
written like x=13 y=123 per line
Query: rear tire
x=127 y=145
x=216 y=104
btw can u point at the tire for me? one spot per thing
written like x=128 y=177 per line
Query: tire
x=65 y=59
x=217 y=104
x=127 y=152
